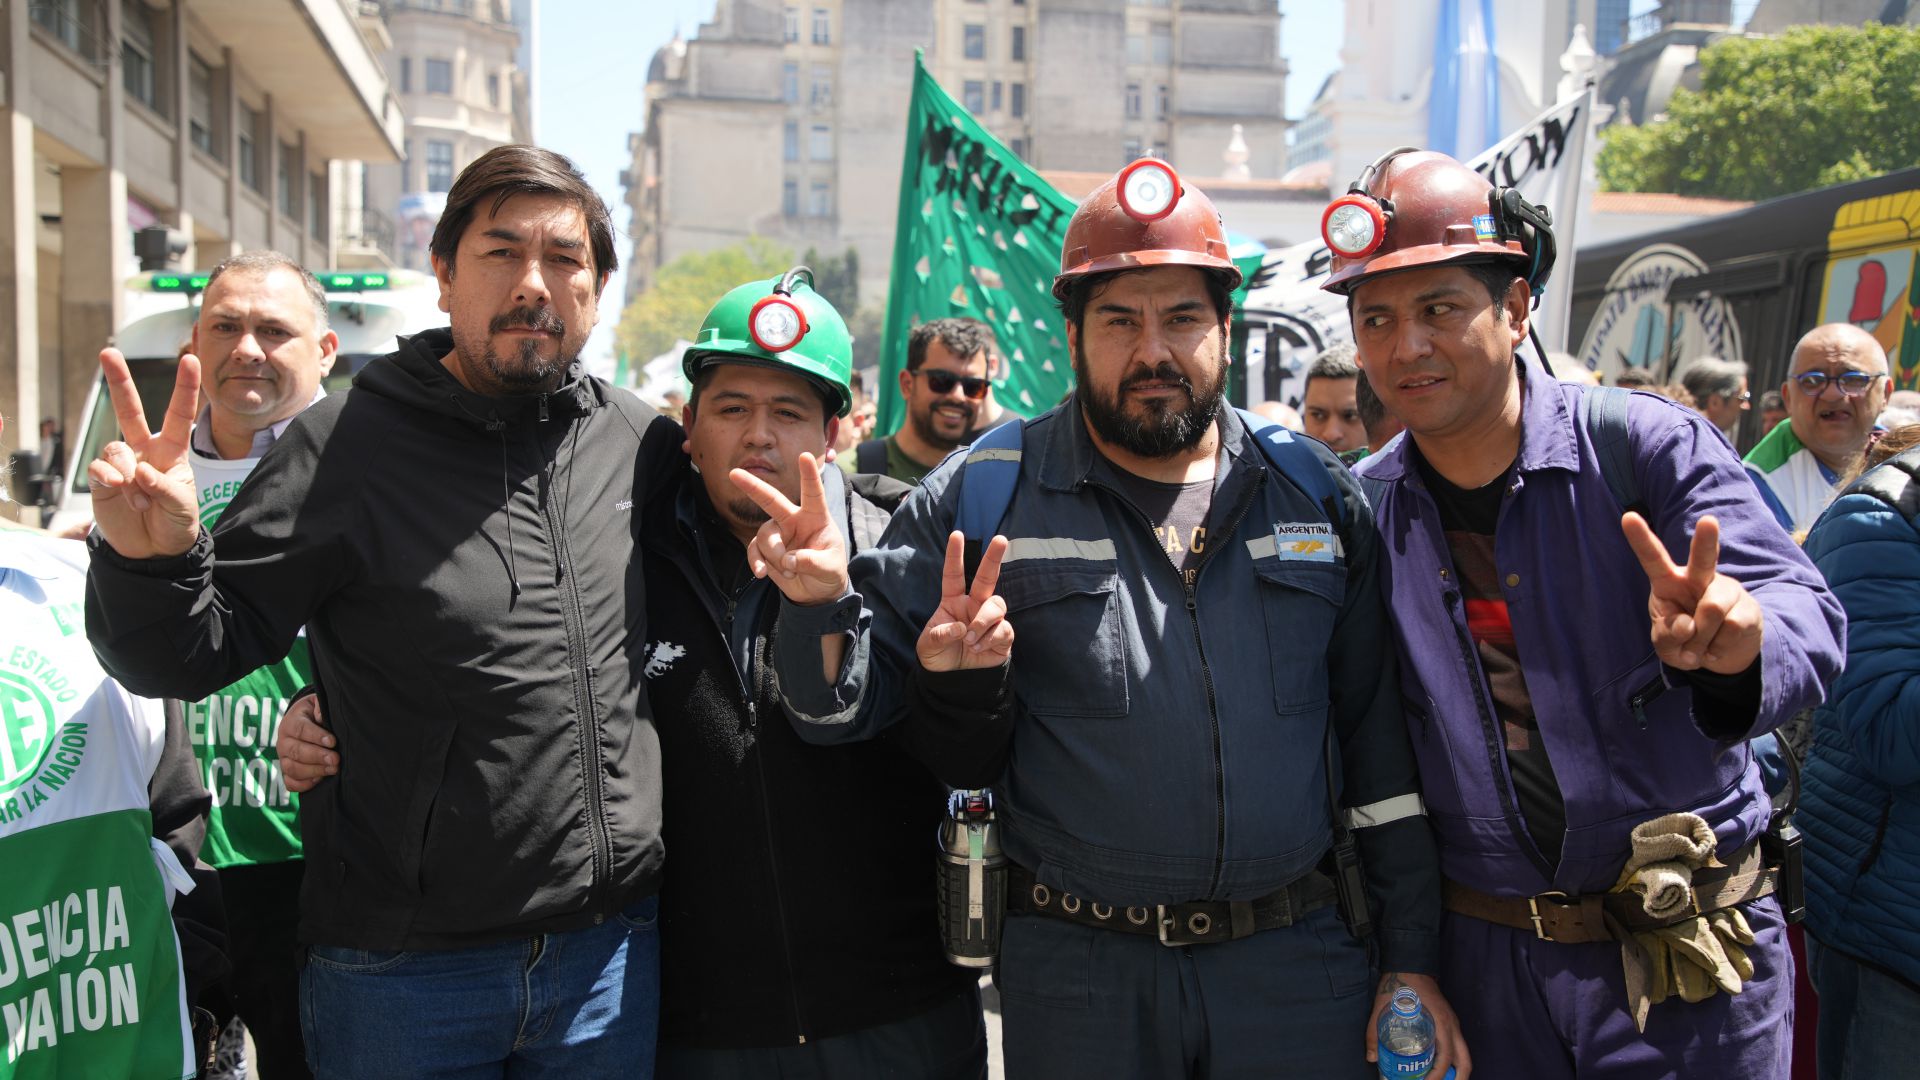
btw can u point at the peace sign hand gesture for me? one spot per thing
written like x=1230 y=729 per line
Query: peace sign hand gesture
x=969 y=629
x=1701 y=617
x=798 y=547
x=143 y=496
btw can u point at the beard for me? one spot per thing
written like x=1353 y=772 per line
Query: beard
x=923 y=427
x=1163 y=429
x=748 y=511
x=523 y=371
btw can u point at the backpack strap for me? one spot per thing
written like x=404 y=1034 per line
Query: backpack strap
x=870 y=456
x=1298 y=463
x=1604 y=412
x=986 y=479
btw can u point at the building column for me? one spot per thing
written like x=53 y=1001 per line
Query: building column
x=19 y=266
x=180 y=218
x=96 y=244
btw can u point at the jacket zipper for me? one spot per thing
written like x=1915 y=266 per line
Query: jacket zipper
x=1206 y=671
x=1490 y=730
x=588 y=742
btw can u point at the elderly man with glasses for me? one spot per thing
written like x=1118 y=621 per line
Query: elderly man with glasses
x=1835 y=388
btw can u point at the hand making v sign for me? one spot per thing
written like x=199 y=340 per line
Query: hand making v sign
x=1701 y=617
x=143 y=497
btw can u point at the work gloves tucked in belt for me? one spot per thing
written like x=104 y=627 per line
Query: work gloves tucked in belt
x=1694 y=957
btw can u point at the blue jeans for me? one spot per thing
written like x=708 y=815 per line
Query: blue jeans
x=581 y=1004
x=1866 y=1017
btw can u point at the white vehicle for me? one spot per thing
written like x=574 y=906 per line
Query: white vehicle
x=369 y=310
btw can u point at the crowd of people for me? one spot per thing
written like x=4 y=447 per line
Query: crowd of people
x=483 y=721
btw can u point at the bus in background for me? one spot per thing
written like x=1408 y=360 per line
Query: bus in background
x=370 y=310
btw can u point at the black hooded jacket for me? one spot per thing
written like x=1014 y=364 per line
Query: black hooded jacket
x=467 y=569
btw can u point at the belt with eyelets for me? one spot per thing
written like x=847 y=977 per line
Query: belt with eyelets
x=1197 y=922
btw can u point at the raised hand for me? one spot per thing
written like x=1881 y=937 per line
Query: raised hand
x=969 y=629
x=799 y=547
x=143 y=498
x=305 y=746
x=1449 y=1044
x=1701 y=617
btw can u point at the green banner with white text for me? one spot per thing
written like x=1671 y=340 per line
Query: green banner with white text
x=979 y=235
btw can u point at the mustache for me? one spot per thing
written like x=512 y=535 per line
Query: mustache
x=529 y=318
x=1164 y=372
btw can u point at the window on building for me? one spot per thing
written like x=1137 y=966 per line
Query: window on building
x=790 y=141
x=200 y=114
x=1131 y=151
x=406 y=74
x=1133 y=101
x=317 y=206
x=1017 y=48
x=439 y=165
x=1162 y=36
x=820 y=143
x=289 y=196
x=973 y=94
x=821 y=199
x=439 y=76
x=1162 y=102
x=790 y=198
x=820 y=86
x=822 y=26
x=76 y=23
x=973 y=41
x=996 y=95
x=1017 y=100
x=793 y=24
x=493 y=90
x=1136 y=49
x=791 y=85
x=252 y=138
x=137 y=53
x=1019 y=147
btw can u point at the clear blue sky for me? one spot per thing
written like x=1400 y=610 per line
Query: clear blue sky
x=593 y=65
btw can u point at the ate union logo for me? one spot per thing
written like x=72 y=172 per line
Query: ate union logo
x=26 y=730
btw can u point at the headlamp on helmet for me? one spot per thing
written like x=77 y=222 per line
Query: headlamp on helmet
x=1353 y=226
x=776 y=322
x=1149 y=189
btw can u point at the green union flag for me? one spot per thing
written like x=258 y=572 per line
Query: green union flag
x=979 y=234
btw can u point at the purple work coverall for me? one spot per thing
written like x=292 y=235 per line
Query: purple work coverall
x=1628 y=738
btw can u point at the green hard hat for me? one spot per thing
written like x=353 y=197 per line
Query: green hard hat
x=778 y=323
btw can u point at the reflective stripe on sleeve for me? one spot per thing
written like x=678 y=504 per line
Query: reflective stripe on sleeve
x=990 y=453
x=1386 y=810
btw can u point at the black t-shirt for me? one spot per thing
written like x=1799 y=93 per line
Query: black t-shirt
x=1177 y=513
x=1468 y=518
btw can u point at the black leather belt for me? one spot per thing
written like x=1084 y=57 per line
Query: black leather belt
x=1198 y=922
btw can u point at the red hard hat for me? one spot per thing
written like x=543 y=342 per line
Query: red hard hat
x=1424 y=209
x=1173 y=225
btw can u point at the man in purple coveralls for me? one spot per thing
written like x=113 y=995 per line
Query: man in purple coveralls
x=1570 y=672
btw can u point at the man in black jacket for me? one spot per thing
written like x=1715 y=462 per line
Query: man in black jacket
x=458 y=535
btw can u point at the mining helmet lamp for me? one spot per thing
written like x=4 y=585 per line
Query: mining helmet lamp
x=776 y=322
x=1148 y=189
x=1354 y=225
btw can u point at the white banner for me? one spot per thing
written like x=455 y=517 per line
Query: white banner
x=1292 y=320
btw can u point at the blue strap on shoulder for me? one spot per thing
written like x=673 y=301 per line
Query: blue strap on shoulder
x=986 y=480
x=1605 y=414
x=1298 y=463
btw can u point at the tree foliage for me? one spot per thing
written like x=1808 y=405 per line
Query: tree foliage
x=686 y=287
x=1817 y=105
x=837 y=279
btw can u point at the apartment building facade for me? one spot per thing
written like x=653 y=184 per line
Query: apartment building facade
x=786 y=118
x=221 y=119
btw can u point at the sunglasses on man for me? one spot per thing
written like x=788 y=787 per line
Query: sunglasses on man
x=942 y=382
x=1851 y=383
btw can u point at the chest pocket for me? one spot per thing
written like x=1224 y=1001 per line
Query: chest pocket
x=1300 y=600
x=1070 y=656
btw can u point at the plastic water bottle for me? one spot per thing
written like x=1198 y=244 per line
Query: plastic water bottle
x=1406 y=1038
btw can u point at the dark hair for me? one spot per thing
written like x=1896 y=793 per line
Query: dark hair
x=829 y=401
x=1372 y=410
x=1636 y=378
x=1710 y=376
x=959 y=335
x=1336 y=362
x=265 y=261
x=517 y=169
x=1772 y=400
x=1081 y=290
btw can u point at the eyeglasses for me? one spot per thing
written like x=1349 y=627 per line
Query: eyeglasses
x=942 y=382
x=1851 y=383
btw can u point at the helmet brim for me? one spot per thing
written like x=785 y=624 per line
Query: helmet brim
x=1139 y=260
